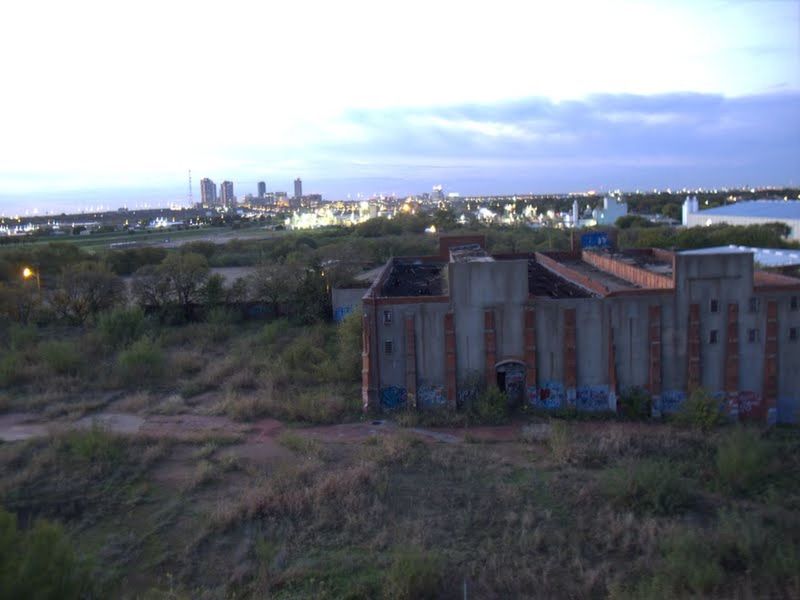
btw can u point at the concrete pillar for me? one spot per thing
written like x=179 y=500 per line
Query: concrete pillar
x=411 y=362
x=693 y=348
x=769 y=394
x=654 y=350
x=450 y=359
x=490 y=347
x=570 y=356
x=530 y=348
x=732 y=350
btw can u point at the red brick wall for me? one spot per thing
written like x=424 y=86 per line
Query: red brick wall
x=490 y=347
x=770 y=392
x=636 y=275
x=450 y=358
x=654 y=350
x=571 y=275
x=447 y=242
x=530 y=346
x=732 y=350
x=570 y=349
x=693 y=348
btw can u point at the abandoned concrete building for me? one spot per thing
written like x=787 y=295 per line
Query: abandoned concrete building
x=576 y=329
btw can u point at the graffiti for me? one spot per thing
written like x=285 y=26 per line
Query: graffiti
x=592 y=397
x=341 y=312
x=467 y=396
x=431 y=396
x=514 y=383
x=671 y=401
x=744 y=405
x=393 y=397
x=549 y=395
x=594 y=240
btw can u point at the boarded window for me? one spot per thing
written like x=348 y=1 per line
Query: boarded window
x=712 y=336
x=753 y=305
x=793 y=334
x=387 y=317
x=713 y=305
x=388 y=347
x=753 y=335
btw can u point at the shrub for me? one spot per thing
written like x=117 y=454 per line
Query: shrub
x=635 y=403
x=10 y=369
x=742 y=461
x=143 y=362
x=560 y=441
x=122 y=326
x=61 y=357
x=490 y=407
x=272 y=331
x=690 y=563
x=40 y=562
x=413 y=575
x=647 y=486
x=700 y=410
x=95 y=445
x=21 y=337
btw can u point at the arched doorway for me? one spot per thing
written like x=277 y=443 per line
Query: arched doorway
x=511 y=380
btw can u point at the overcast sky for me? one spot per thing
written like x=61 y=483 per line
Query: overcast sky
x=113 y=102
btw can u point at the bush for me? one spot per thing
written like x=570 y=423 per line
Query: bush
x=21 y=337
x=413 y=575
x=700 y=410
x=121 y=326
x=742 y=461
x=635 y=403
x=95 y=446
x=40 y=562
x=647 y=486
x=10 y=369
x=62 y=358
x=143 y=362
x=272 y=331
x=490 y=407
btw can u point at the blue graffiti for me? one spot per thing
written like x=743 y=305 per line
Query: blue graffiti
x=671 y=401
x=592 y=397
x=549 y=395
x=393 y=397
x=431 y=396
x=341 y=312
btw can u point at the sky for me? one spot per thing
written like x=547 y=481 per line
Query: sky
x=112 y=103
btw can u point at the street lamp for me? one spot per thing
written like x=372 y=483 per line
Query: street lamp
x=27 y=273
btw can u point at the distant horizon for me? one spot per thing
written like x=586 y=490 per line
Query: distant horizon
x=122 y=195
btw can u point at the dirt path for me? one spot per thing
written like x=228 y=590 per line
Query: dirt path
x=23 y=426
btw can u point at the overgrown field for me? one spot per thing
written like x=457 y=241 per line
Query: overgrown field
x=564 y=509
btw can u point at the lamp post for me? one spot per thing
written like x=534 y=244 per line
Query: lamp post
x=27 y=273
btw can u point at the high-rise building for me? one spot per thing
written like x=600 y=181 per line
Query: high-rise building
x=262 y=189
x=298 y=188
x=226 y=197
x=208 y=193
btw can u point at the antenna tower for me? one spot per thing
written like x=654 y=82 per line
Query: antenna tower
x=191 y=197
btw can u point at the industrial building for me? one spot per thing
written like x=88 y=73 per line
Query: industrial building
x=576 y=329
x=753 y=212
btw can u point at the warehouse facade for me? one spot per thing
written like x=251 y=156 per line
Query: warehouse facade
x=560 y=329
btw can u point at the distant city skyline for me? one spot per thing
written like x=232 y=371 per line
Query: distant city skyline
x=516 y=97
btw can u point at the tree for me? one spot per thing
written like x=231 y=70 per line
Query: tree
x=149 y=287
x=18 y=302
x=214 y=290
x=187 y=274
x=85 y=289
x=274 y=283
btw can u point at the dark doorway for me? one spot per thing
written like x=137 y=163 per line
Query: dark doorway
x=511 y=380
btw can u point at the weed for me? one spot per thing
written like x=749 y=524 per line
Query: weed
x=700 y=410
x=272 y=331
x=121 y=326
x=413 y=574
x=560 y=441
x=61 y=357
x=742 y=461
x=490 y=407
x=141 y=364
x=647 y=486
x=300 y=444
x=635 y=403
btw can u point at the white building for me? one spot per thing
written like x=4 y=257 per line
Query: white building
x=612 y=209
x=754 y=212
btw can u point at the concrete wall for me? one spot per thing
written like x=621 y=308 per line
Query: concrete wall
x=346 y=300
x=476 y=287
